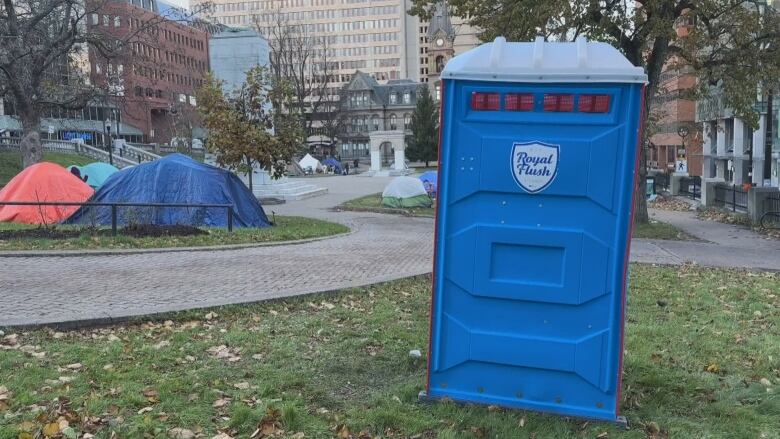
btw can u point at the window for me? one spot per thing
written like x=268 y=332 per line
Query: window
x=393 y=98
x=106 y=20
x=182 y=98
x=407 y=122
x=437 y=92
x=95 y=19
x=139 y=91
x=407 y=97
x=393 y=122
x=117 y=21
x=375 y=123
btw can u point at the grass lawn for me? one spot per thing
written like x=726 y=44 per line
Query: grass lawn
x=660 y=230
x=286 y=229
x=373 y=203
x=11 y=162
x=702 y=361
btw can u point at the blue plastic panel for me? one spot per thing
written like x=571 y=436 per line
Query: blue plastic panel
x=529 y=277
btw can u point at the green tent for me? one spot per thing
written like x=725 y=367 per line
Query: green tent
x=96 y=173
x=406 y=192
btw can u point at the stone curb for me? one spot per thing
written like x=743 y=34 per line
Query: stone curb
x=137 y=251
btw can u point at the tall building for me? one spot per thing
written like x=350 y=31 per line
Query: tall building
x=359 y=35
x=153 y=81
x=233 y=52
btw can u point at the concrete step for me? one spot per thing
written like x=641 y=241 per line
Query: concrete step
x=289 y=191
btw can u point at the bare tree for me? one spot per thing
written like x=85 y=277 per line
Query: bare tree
x=303 y=60
x=46 y=56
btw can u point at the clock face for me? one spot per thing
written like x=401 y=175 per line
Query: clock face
x=439 y=42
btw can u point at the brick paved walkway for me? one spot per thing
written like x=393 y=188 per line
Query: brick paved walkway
x=382 y=247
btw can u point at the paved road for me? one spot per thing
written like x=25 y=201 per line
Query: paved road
x=382 y=247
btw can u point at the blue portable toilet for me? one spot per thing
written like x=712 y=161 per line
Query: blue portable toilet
x=539 y=149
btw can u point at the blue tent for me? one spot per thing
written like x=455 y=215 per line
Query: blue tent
x=429 y=181
x=176 y=178
x=333 y=163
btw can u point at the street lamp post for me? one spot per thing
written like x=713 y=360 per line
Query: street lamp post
x=109 y=146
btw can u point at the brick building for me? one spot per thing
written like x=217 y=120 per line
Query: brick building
x=153 y=81
x=675 y=114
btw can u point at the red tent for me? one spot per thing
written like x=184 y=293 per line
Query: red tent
x=43 y=182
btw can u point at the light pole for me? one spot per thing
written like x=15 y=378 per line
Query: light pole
x=107 y=137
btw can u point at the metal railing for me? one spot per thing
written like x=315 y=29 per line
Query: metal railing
x=48 y=145
x=770 y=218
x=660 y=182
x=120 y=161
x=731 y=196
x=113 y=206
x=691 y=186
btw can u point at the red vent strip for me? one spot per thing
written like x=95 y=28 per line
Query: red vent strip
x=594 y=104
x=519 y=102
x=559 y=102
x=485 y=101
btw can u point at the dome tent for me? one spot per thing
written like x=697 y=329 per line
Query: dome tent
x=405 y=192
x=333 y=163
x=175 y=178
x=96 y=173
x=309 y=162
x=429 y=180
x=43 y=182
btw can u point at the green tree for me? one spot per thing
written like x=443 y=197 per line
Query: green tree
x=732 y=45
x=244 y=127
x=424 y=141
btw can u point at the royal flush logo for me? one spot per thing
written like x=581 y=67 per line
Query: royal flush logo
x=534 y=165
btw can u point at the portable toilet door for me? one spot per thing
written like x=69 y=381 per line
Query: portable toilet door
x=539 y=148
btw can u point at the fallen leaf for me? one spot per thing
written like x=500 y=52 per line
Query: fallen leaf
x=58 y=335
x=713 y=368
x=765 y=382
x=603 y=435
x=242 y=385
x=342 y=431
x=51 y=429
x=145 y=410
x=180 y=433
x=211 y=316
x=221 y=402
x=162 y=344
x=74 y=366
x=222 y=436
x=299 y=435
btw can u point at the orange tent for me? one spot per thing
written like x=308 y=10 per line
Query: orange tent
x=43 y=182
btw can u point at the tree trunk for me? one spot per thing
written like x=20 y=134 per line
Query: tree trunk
x=640 y=196
x=640 y=191
x=32 y=149
x=250 y=173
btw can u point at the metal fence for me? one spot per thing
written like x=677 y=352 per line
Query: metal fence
x=660 y=182
x=691 y=186
x=114 y=206
x=731 y=196
x=770 y=219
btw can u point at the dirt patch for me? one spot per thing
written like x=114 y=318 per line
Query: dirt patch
x=136 y=231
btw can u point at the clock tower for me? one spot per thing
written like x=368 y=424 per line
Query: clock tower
x=441 y=37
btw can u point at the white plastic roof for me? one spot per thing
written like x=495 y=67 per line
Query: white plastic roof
x=541 y=61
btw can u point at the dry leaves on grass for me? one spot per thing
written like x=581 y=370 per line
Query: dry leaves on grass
x=222 y=352
x=269 y=426
x=671 y=203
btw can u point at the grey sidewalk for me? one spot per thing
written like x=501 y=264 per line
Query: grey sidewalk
x=381 y=248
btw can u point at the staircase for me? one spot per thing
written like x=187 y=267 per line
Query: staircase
x=288 y=190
